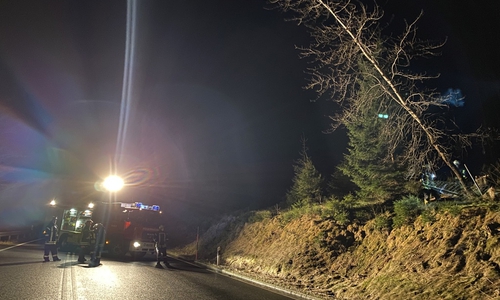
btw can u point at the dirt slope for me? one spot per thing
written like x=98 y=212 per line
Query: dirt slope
x=452 y=257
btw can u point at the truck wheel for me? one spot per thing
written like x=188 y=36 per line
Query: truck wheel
x=118 y=250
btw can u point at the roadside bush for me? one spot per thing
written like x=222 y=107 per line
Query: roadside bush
x=342 y=217
x=335 y=209
x=363 y=215
x=295 y=212
x=406 y=210
x=259 y=216
x=428 y=216
x=453 y=208
x=383 y=221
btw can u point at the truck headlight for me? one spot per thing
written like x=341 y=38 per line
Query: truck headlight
x=137 y=244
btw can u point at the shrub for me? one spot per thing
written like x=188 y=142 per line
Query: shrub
x=259 y=216
x=342 y=217
x=406 y=210
x=335 y=209
x=295 y=212
x=363 y=215
x=428 y=216
x=383 y=221
x=350 y=201
x=452 y=208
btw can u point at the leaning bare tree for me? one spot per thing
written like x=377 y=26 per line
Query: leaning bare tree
x=346 y=35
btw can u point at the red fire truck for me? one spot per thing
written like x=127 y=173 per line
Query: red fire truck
x=130 y=227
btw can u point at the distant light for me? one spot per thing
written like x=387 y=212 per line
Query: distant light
x=113 y=183
x=137 y=244
x=91 y=205
x=53 y=202
x=383 y=116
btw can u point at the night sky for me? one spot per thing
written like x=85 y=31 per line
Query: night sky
x=217 y=108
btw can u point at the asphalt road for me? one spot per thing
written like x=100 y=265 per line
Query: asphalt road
x=23 y=275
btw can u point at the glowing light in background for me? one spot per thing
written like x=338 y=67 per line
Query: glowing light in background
x=131 y=178
x=113 y=183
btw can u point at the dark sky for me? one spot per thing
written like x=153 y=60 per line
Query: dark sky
x=217 y=108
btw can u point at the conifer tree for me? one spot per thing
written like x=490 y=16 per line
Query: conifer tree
x=377 y=175
x=306 y=187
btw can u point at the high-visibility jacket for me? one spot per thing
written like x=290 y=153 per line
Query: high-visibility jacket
x=51 y=234
x=161 y=240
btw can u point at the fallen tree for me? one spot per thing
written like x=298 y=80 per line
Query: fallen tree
x=346 y=32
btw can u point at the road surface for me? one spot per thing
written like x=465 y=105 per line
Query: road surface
x=23 y=275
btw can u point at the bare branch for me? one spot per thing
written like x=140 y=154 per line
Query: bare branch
x=345 y=32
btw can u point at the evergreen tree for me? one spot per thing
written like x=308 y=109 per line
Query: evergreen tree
x=306 y=188
x=377 y=177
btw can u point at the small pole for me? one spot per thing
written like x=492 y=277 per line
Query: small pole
x=218 y=255
x=197 y=237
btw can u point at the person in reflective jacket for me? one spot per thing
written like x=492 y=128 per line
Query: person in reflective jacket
x=85 y=241
x=161 y=247
x=97 y=243
x=51 y=233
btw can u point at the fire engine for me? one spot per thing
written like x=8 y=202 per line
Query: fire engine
x=130 y=227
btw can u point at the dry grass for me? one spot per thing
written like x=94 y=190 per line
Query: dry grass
x=453 y=257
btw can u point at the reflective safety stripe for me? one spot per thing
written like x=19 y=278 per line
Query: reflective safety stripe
x=162 y=239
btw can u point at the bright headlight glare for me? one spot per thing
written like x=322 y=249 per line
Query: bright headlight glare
x=137 y=244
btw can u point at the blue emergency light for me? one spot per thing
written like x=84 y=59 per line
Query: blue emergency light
x=139 y=205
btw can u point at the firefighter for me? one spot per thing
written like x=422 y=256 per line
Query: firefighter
x=97 y=243
x=85 y=241
x=161 y=247
x=51 y=234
